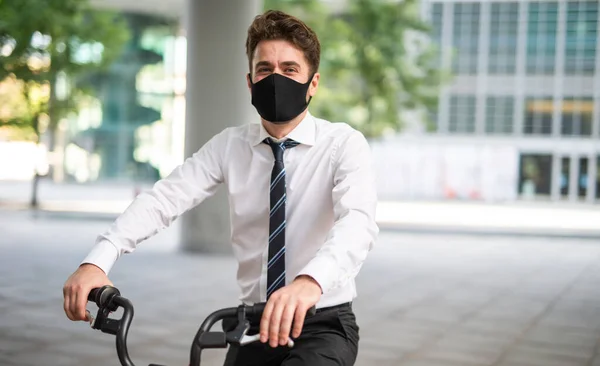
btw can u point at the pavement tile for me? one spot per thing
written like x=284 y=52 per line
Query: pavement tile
x=536 y=356
x=583 y=339
x=432 y=362
x=485 y=324
x=468 y=348
x=595 y=361
x=44 y=357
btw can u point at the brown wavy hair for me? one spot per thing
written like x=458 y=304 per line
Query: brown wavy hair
x=275 y=24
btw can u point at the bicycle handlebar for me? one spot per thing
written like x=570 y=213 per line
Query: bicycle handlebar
x=109 y=299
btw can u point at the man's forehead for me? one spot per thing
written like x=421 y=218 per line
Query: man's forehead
x=277 y=51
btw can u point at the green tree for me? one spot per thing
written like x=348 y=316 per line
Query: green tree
x=45 y=46
x=376 y=61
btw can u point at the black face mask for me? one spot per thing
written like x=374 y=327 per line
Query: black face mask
x=279 y=99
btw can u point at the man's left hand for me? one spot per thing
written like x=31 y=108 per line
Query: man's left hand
x=289 y=303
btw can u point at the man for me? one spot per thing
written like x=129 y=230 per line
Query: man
x=302 y=202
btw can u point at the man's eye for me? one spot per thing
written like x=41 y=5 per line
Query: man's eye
x=291 y=69
x=263 y=69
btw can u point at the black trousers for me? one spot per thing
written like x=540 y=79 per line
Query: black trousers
x=330 y=337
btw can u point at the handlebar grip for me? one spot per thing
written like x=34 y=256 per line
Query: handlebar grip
x=93 y=294
x=101 y=296
x=256 y=309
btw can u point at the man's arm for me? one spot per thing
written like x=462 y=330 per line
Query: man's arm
x=346 y=247
x=355 y=229
x=188 y=185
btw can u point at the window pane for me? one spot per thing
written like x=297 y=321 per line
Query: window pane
x=538 y=116
x=582 y=179
x=499 y=115
x=541 y=37
x=577 y=115
x=565 y=173
x=465 y=37
x=437 y=10
x=503 y=38
x=462 y=114
x=598 y=177
x=535 y=174
x=582 y=28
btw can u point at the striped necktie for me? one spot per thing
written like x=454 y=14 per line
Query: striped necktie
x=276 y=263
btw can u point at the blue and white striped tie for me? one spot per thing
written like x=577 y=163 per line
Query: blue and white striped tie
x=276 y=264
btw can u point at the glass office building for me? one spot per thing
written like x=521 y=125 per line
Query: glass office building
x=132 y=127
x=526 y=74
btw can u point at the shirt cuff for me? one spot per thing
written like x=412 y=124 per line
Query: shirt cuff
x=103 y=254
x=318 y=269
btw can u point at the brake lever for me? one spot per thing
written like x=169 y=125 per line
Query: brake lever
x=102 y=321
x=256 y=337
x=91 y=318
x=239 y=334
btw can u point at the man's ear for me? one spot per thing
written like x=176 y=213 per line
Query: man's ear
x=249 y=81
x=314 y=84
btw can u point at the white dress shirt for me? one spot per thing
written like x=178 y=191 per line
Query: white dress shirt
x=330 y=209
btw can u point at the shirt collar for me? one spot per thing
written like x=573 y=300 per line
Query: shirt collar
x=304 y=133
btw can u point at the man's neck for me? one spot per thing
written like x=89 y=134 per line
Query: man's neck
x=281 y=130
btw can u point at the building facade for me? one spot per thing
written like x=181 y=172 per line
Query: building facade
x=526 y=75
x=519 y=119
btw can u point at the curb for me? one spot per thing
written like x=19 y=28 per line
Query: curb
x=489 y=231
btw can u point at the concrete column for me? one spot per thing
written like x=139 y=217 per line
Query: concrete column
x=592 y=167
x=596 y=115
x=425 y=10
x=217 y=97
x=520 y=78
x=444 y=101
x=574 y=178
x=482 y=69
x=591 y=179
x=559 y=72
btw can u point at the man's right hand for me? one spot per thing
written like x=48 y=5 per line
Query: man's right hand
x=78 y=287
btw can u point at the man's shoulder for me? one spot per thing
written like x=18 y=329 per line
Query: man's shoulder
x=222 y=141
x=237 y=134
x=335 y=130
x=241 y=131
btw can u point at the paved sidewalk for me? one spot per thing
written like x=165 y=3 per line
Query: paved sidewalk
x=424 y=299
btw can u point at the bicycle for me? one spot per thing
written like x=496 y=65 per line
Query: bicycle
x=235 y=324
